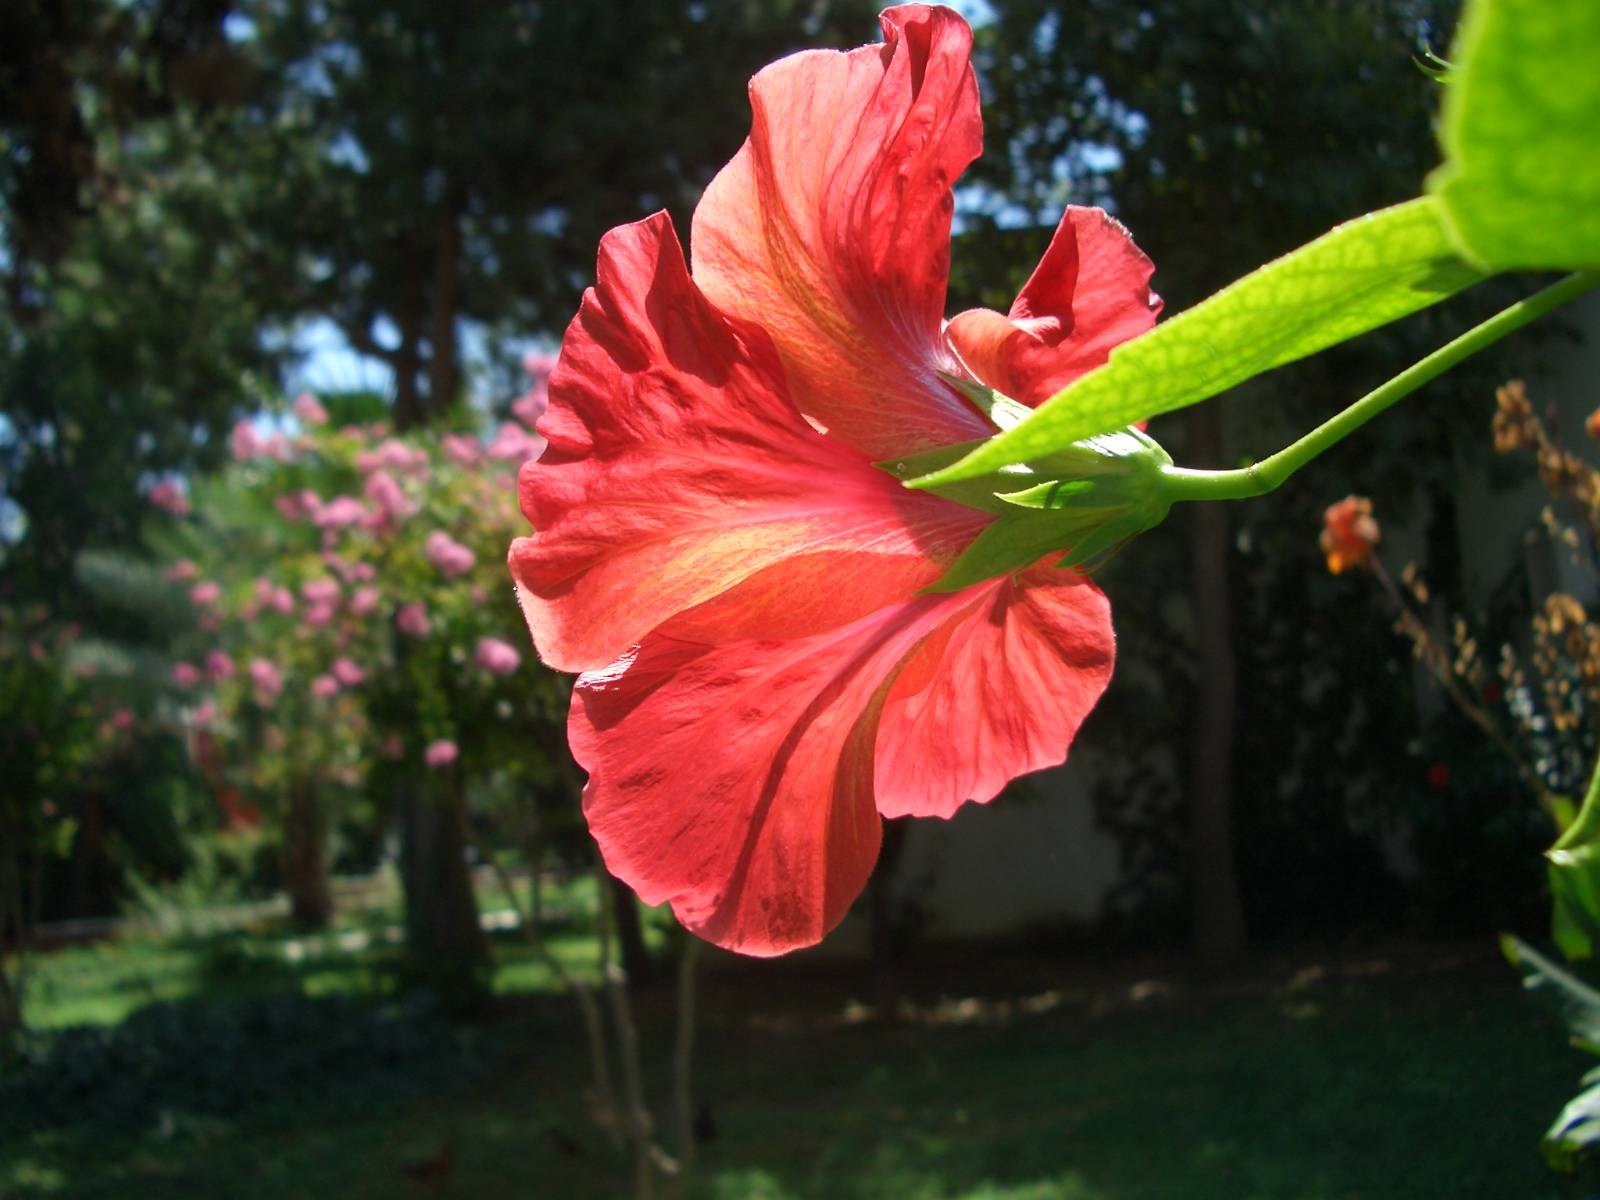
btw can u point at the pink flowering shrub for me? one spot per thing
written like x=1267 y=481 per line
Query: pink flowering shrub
x=355 y=582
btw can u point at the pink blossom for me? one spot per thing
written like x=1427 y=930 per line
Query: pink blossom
x=441 y=753
x=462 y=450
x=244 y=442
x=288 y=506
x=318 y=615
x=497 y=657
x=365 y=601
x=309 y=411
x=394 y=455
x=324 y=686
x=181 y=571
x=209 y=622
x=219 y=666
x=270 y=595
x=320 y=591
x=205 y=715
x=514 y=444
x=185 y=674
x=340 y=513
x=382 y=490
x=266 y=679
x=412 y=620
x=169 y=497
x=530 y=407
x=450 y=556
x=205 y=594
x=348 y=673
x=122 y=719
x=363 y=571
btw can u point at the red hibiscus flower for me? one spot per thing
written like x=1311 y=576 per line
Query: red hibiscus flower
x=765 y=670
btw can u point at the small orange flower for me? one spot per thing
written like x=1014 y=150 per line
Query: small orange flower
x=1592 y=425
x=1349 y=534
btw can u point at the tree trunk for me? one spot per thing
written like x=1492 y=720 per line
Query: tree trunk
x=637 y=964
x=442 y=366
x=81 y=896
x=305 y=867
x=1218 y=930
x=409 y=411
x=442 y=930
x=884 y=935
x=13 y=936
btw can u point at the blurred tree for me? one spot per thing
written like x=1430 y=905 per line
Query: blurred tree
x=1223 y=134
x=469 y=155
x=136 y=286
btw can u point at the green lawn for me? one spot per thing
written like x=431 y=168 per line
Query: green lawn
x=1413 y=1074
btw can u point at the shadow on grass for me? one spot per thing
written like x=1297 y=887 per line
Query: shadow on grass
x=1007 y=1080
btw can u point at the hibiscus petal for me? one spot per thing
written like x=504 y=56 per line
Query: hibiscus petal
x=997 y=690
x=831 y=227
x=1089 y=293
x=677 y=467
x=742 y=781
x=735 y=782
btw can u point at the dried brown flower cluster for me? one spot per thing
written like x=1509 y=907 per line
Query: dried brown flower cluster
x=1565 y=476
x=1539 y=713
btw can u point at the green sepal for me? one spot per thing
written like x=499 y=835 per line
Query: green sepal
x=1086 y=500
x=1357 y=277
x=1003 y=412
x=1574 y=876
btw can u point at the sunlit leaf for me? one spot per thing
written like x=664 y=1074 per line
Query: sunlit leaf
x=1362 y=274
x=1521 y=131
x=1578 y=1002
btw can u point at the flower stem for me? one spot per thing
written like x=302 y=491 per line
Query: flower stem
x=1183 y=483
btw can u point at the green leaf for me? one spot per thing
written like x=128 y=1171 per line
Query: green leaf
x=1521 y=130
x=1362 y=274
x=1574 y=1133
x=1579 y=1003
x=1574 y=876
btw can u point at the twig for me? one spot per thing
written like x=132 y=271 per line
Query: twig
x=646 y=1155
x=604 y=1095
x=1438 y=663
x=683 y=1056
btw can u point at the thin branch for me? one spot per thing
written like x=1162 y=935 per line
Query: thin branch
x=647 y=1156
x=603 y=1097
x=683 y=1056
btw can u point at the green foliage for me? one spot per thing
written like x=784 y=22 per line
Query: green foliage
x=1574 y=874
x=1574 y=1136
x=1521 y=184
x=452 y=164
x=1362 y=275
x=1028 y=1087
x=179 y=1064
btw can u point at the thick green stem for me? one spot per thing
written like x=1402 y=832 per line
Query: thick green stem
x=1182 y=483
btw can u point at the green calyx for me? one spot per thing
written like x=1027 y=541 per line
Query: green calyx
x=1087 y=499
